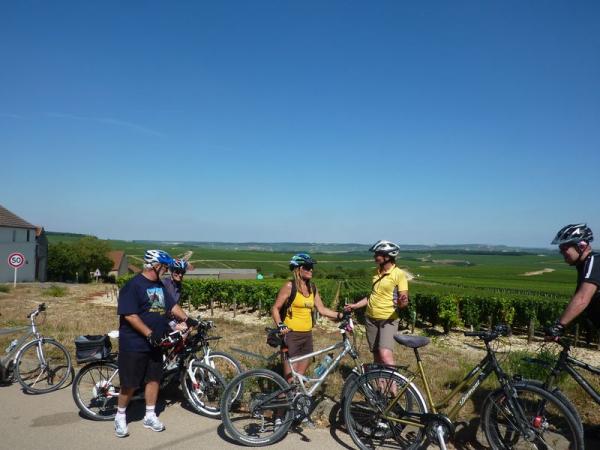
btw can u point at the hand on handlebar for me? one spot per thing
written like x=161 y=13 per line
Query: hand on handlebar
x=191 y=323
x=153 y=339
x=282 y=328
x=554 y=332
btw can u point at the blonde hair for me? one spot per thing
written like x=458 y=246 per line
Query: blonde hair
x=298 y=280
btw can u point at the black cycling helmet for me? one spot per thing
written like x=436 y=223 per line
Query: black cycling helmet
x=573 y=234
x=301 y=259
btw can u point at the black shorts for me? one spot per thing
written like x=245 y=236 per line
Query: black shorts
x=299 y=343
x=137 y=368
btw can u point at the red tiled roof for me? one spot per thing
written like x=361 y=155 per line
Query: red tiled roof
x=9 y=219
x=116 y=257
x=133 y=269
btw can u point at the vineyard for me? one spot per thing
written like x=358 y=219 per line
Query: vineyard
x=448 y=306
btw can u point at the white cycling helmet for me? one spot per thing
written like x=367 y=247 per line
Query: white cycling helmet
x=387 y=247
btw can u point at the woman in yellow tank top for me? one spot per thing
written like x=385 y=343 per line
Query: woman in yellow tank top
x=298 y=321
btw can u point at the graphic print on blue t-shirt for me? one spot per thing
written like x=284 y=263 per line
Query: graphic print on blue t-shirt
x=156 y=297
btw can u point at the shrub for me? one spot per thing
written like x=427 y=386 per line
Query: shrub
x=55 y=291
x=4 y=288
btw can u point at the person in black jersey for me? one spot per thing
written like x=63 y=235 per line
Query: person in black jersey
x=574 y=244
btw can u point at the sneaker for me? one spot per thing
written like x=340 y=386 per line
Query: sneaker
x=121 y=429
x=308 y=423
x=277 y=423
x=153 y=423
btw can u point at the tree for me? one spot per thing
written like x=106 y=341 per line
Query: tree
x=92 y=254
x=70 y=262
x=62 y=262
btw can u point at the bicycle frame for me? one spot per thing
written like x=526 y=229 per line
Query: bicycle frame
x=469 y=385
x=346 y=347
x=21 y=341
x=567 y=363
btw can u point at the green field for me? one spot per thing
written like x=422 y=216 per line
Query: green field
x=486 y=271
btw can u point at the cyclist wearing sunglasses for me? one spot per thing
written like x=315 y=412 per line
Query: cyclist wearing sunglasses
x=293 y=308
x=574 y=244
x=389 y=293
x=172 y=284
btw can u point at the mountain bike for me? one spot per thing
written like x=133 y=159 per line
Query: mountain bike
x=565 y=363
x=40 y=364
x=268 y=405
x=96 y=386
x=384 y=410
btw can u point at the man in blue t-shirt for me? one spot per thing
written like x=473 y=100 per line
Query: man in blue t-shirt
x=144 y=306
x=574 y=244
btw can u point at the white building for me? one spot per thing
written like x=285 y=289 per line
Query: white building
x=18 y=235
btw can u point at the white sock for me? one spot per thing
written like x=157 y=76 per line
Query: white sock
x=150 y=412
x=121 y=417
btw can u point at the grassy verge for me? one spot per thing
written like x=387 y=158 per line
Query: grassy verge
x=446 y=362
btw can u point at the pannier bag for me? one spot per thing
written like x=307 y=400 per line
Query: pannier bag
x=92 y=347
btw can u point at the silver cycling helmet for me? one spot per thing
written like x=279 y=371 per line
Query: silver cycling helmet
x=387 y=247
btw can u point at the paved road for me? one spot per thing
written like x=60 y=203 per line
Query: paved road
x=52 y=421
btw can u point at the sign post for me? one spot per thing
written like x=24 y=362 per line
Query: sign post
x=16 y=260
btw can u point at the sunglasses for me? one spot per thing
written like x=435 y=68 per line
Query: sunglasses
x=178 y=272
x=307 y=267
x=564 y=247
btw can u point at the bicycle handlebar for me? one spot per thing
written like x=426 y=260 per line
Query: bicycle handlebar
x=496 y=332
x=41 y=308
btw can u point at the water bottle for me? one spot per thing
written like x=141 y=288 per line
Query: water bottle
x=11 y=346
x=321 y=368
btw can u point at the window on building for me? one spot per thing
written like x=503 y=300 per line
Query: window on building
x=14 y=235
x=28 y=231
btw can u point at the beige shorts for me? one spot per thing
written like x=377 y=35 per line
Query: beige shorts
x=380 y=333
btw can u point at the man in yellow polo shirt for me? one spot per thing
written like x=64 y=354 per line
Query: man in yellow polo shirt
x=389 y=293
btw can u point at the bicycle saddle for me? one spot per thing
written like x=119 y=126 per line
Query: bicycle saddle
x=411 y=341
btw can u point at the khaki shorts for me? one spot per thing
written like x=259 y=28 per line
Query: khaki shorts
x=380 y=333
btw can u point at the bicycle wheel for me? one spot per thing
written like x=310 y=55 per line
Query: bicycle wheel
x=263 y=413
x=203 y=387
x=562 y=398
x=43 y=365
x=545 y=421
x=367 y=399
x=226 y=365
x=96 y=390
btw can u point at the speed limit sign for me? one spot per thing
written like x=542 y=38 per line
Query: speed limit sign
x=16 y=260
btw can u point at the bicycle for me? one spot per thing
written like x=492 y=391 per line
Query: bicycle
x=565 y=363
x=383 y=409
x=96 y=386
x=268 y=405
x=39 y=365
x=227 y=366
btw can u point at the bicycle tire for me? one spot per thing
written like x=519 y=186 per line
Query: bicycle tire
x=549 y=421
x=366 y=399
x=96 y=390
x=257 y=386
x=562 y=397
x=204 y=391
x=36 y=377
x=226 y=365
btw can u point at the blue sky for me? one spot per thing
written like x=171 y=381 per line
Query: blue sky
x=337 y=121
